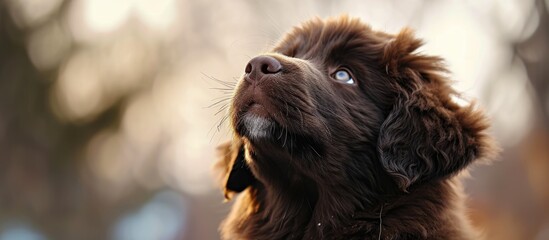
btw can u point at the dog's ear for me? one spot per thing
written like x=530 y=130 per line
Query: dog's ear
x=234 y=174
x=426 y=135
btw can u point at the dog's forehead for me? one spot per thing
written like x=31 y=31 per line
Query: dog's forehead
x=320 y=38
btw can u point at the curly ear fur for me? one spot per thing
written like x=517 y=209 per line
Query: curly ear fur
x=426 y=135
x=234 y=174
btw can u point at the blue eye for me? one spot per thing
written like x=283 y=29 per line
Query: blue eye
x=343 y=76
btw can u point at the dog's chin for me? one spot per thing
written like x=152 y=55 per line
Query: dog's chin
x=258 y=128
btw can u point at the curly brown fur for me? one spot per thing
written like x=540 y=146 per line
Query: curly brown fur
x=317 y=158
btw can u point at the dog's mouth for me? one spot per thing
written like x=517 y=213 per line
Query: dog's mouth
x=257 y=109
x=256 y=122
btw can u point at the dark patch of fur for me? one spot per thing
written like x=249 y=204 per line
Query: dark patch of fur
x=339 y=158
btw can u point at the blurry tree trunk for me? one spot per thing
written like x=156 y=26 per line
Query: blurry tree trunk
x=534 y=52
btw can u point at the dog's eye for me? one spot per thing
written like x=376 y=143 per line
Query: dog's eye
x=343 y=76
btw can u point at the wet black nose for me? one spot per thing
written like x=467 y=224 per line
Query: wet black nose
x=262 y=65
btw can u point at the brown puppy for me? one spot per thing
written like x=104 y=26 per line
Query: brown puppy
x=343 y=132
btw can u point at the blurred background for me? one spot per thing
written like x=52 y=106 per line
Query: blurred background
x=109 y=121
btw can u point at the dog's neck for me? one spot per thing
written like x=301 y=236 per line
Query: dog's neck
x=297 y=202
x=293 y=206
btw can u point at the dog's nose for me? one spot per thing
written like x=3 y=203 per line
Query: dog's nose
x=262 y=65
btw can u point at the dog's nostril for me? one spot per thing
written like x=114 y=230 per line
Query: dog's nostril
x=248 y=68
x=265 y=69
x=263 y=65
x=271 y=66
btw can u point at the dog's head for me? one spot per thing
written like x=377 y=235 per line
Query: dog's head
x=337 y=100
